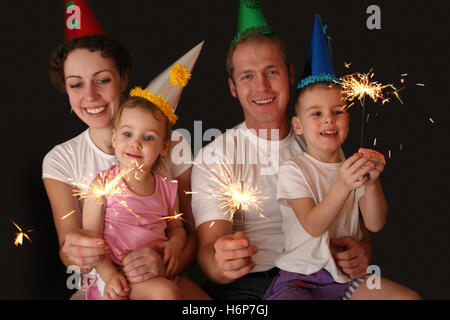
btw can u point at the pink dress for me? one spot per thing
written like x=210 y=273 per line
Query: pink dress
x=133 y=222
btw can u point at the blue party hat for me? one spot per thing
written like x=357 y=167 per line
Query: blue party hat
x=319 y=67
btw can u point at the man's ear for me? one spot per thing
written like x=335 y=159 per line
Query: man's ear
x=297 y=125
x=232 y=87
x=291 y=74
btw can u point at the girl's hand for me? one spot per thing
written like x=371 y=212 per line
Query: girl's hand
x=172 y=251
x=116 y=288
x=353 y=172
x=142 y=264
x=84 y=249
x=378 y=161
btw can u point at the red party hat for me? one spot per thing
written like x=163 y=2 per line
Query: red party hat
x=79 y=20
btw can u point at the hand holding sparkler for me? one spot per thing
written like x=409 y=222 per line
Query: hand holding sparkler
x=378 y=161
x=233 y=255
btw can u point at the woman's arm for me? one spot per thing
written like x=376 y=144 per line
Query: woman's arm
x=77 y=247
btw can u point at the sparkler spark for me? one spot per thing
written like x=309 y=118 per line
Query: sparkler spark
x=177 y=216
x=233 y=196
x=360 y=85
x=20 y=235
x=67 y=215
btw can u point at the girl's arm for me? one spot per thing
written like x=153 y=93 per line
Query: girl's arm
x=316 y=219
x=93 y=222
x=175 y=243
x=76 y=246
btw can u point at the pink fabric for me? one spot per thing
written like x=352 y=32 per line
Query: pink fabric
x=133 y=222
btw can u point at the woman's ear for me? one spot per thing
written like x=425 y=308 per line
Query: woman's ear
x=297 y=125
x=124 y=80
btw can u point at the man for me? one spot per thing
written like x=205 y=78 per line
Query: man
x=237 y=253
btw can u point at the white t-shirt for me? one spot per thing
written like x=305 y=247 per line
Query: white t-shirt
x=78 y=160
x=306 y=177
x=240 y=155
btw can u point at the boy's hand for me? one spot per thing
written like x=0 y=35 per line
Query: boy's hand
x=172 y=251
x=354 y=172
x=116 y=288
x=377 y=159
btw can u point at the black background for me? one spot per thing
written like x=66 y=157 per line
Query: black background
x=413 y=247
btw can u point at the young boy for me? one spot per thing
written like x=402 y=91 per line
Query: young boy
x=320 y=195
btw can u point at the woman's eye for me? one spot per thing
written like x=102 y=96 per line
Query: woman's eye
x=103 y=81
x=148 y=138
x=75 y=85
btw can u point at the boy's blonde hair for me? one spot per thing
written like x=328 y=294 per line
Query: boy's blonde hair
x=309 y=87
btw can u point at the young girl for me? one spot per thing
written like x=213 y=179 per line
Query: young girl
x=140 y=209
x=320 y=195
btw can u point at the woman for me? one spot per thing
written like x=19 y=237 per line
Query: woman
x=94 y=71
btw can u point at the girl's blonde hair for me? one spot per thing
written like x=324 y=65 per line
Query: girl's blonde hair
x=138 y=102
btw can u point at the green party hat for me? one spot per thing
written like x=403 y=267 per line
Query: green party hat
x=251 y=19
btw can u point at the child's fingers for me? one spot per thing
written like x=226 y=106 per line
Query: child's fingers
x=124 y=283
x=373 y=155
x=358 y=165
x=166 y=256
x=350 y=161
x=119 y=293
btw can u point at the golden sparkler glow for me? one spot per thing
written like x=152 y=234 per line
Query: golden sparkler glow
x=108 y=184
x=233 y=196
x=20 y=235
x=176 y=216
x=360 y=85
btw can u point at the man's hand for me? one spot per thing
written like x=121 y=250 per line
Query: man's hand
x=233 y=255
x=355 y=257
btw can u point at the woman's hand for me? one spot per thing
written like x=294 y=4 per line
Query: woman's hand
x=142 y=264
x=84 y=249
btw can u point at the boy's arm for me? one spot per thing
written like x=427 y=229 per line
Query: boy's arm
x=316 y=219
x=374 y=206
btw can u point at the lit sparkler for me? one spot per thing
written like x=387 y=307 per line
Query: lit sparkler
x=20 y=235
x=233 y=196
x=358 y=86
x=107 y=184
